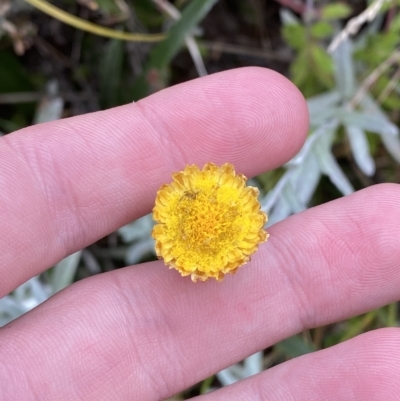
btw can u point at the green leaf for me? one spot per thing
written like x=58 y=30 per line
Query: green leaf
x=295 y=346
x=300 y=68
x=110 y=73
x=108 y=7
x=64 y=272
x=395 y=25
x=163 y=53
x=358 y=325
x=392 y=102
x=323 y=65
x=321 y=30
x=369 y=121
x=13 y=76
x=148 y=14
x=335 y=11
x=295 y=35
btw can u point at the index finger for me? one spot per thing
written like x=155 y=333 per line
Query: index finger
x=71 y=182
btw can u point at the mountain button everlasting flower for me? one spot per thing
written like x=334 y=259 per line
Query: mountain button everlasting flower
x=209 y=222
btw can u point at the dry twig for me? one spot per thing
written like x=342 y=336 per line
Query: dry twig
x=373 y=77
x=355 y=23
x=389 y=87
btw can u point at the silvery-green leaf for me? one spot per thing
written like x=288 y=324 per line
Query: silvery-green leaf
x=4 y=321
x=38 y=290
x=64 y=272
x=50 y=108
x=254 y=183
x=280 y=211
x=344 y=69
x=287 y=17
x=330 y=166
x=392 y=144
x=9 y=306
x=230 y=375
x=326 y=128
x=320 y=103
x=324 y=116
x=22 y=291
x=292 y=199
x=30 y=303
x=369 y=106
x=91 y=263
x=372 y=122
x=375 y=26
x=268 y=202
x=307 y=178
x=137 y=251
x=253 y=364
x=360 y=149
x=141 y=228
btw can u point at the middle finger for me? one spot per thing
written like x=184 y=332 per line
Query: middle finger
x=156 y=333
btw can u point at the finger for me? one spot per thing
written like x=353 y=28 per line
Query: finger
x=156 y=333
x=364 y=368
x=68 y=183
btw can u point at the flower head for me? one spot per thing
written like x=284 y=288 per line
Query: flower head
x=209 y=222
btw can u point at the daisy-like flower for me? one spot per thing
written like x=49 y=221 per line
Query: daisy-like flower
x=209 y=222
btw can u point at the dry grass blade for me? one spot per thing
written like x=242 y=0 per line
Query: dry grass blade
x=373 y=77
x=390 y=87
x=83 y=25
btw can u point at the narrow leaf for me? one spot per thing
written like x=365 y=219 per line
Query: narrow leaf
x=280 y=211
x=163 y=53
x=295 y=346
x=335 y=11
x=392 y=144
x=306 y=179
x=344 y=69
x=110 y=72
x=371 y=122
x=292 y=199
x=360 y=149
x=64 y=272
x=330 y=166
x=253 y=364
x=319 y=103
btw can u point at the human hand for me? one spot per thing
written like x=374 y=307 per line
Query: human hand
x=146 y=333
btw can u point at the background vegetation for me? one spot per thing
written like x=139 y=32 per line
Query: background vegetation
x=344 y=57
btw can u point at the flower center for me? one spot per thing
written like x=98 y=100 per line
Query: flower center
x=207 y=221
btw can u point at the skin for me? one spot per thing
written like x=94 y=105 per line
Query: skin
x=145 y=333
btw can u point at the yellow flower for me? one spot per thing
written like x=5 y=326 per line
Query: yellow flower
x=209 y=221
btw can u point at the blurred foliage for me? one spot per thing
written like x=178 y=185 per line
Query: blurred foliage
x=155 y=69
x=313 y=72
x=380 y=45
x=312 y=67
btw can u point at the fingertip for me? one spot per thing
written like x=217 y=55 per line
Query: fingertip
x=288 y=103
x=278 y=94
x=252 y=117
